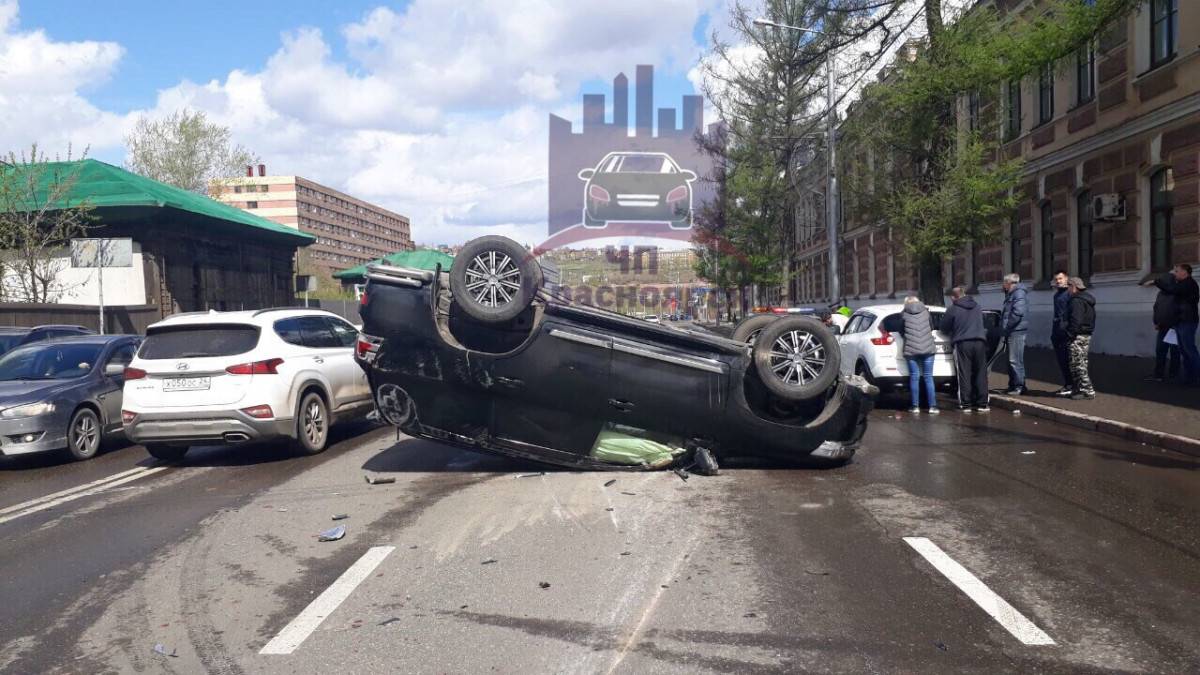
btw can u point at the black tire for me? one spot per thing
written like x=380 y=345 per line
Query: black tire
x=749 y=329
x=167 y=453
x=797 y=358
x=482 y=279
x=84 y=434
x=312 y=424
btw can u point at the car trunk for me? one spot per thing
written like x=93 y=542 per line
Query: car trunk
x=186 y=366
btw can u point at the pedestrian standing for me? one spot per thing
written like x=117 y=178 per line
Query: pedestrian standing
x=1187 y=299
x=919 y=348
x=1166 y=315
x=1014 y=324
x=1081 y=322
x=1058 y=333
x=963 y=322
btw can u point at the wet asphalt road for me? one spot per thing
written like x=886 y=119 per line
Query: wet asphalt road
x=1093 y=540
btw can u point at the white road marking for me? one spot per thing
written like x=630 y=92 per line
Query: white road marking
x=77 y=488
x=307 y=621
x=41 y=505
x=1005 y=614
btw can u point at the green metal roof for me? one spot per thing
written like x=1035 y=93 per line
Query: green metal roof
x=421 y=259
x=105 y=186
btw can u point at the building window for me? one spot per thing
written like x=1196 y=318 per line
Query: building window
x=1083 y=215
x=1013 y=95
x=1085 y=74
x=252 y=205
x=1014 y=244
x=1046 y=94
x=1047 y=241
x=237 y=189
x=1162 y=186
x=973 y=111
x=1164 y=27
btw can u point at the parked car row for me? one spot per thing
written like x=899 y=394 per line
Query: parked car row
x=199 y=378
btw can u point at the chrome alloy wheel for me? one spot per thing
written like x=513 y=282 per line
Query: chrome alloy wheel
x=493 y=282
x=314 y=423
x=797 y=357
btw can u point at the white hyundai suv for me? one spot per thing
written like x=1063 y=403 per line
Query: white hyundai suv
x=231 y=377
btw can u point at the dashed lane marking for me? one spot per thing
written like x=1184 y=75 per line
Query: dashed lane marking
x=326 y=603
x=86 y=490
x=997 y=607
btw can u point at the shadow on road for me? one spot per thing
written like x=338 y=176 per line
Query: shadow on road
x=417 y=455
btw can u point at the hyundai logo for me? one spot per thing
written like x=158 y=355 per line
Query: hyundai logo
x=181 y=366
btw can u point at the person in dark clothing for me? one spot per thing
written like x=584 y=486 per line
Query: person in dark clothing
x=1081 y=322
x=1014 y=325
x=963 y=322
x=1058 y=332
x=1187 y=301
x=919 y=348
x=1166 y=315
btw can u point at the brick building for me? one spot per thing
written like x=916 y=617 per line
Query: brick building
x=349 y=231
x=1120 y=120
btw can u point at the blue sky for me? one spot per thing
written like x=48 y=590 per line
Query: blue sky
x=352 y=93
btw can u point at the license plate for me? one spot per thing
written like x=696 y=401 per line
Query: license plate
x=186 y=383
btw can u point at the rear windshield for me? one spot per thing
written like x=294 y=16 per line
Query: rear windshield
x=181 y=342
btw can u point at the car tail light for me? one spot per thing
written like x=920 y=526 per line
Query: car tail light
x=256 y=368
x=134 y=373
x=885 y=338
x=598 y=193
x=259 y=412
x=367 y=345
x=127 y=416
x=362 y=302
x=678 y=194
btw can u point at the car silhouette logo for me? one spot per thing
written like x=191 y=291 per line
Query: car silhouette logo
x=637 y=187
x=181 y=366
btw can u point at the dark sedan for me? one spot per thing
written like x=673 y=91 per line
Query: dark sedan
x=63 y=393
x=15 y=336
x=486 y=358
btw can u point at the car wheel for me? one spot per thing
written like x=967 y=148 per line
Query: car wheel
x=797 y=358
x=312 y=424
x=494 y=279
x=83 y=434
x=864 y=370
x=167 y=453
x=748 y=330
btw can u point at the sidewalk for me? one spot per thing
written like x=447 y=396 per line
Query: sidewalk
x=1156 y=413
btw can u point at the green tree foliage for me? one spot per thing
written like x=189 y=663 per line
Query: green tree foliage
x=186 y=150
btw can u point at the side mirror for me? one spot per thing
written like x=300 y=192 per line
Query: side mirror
x=587 y=174
x=114 y=370
x=688 y=175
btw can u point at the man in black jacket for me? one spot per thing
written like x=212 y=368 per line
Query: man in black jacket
x=1166 y=315
x=963 y=322
x=1081 y=322
x=1058 y=332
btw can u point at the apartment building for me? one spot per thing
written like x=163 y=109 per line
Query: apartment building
x=349 y=231
x=1116 y=127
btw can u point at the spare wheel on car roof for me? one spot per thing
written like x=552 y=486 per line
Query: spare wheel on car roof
x=494 y=279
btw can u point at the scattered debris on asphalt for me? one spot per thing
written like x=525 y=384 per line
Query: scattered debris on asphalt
x=532 y=475
x=750 y=615
x=681 y=473
x=489 y=561
x=340 y=516
x=1029 y=452
x=282 y=509
x=609 y=509
x=161 y=649
x=631 y=494
x=464 y=607
x=705 y=463
x=625 y=552
x=610 y=482
x=379 y=480
x=816 y=573
x=1016 y=412
x=332 y=534
x=392 y=620
x=941 y=645
x=543 y=585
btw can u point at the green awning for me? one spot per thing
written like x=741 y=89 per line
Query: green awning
x=421 y=259
x=107 y=187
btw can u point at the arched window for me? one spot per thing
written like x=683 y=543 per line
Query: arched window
x=1047 y=241
x=1083 y=221
x=1162 y=200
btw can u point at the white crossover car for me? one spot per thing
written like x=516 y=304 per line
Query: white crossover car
x=230 y=377
x=872 y=345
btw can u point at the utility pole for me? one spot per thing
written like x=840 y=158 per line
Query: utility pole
x=100 y=251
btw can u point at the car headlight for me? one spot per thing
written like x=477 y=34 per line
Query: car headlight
x=29 y=410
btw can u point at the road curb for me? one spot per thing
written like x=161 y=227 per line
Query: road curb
x=1184 y=444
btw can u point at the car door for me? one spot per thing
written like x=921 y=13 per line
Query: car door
x=665 y=388
x=550 y=393
x=110 y=386
x=326 y=353
x=347 y=336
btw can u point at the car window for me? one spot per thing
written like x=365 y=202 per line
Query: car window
x=317 y=333
x=34 y=336
x=289 y=331
x=991 y=320
x=121 y=355
x=346 y=334
x=200 y=340
x=893 y=323
x=7 y=342
x=935 y=319
x=48 y=362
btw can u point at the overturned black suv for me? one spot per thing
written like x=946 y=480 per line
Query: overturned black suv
x=490 y=357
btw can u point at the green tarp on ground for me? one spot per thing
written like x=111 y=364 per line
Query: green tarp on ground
x=421 y=259
x=636 y=447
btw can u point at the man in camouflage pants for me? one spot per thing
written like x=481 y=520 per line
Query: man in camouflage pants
x=1081 y=322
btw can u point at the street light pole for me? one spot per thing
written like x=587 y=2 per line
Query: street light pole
x=832 y=197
